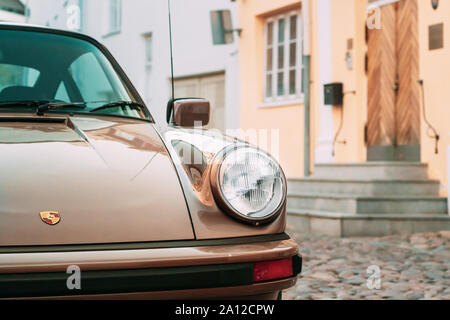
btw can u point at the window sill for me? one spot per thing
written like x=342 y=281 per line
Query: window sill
x=281 y=103
x=111 y=33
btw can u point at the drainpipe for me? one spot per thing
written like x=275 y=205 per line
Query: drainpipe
x=306 y=85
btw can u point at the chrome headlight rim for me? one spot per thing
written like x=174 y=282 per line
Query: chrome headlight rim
x=223 y=203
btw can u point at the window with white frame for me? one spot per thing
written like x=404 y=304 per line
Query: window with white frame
x=148 y=40
x=115 y=16
x=372 y=4
x=283 y=57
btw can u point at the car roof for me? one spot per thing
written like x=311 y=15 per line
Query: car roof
x=36 y=28
x=28 y=25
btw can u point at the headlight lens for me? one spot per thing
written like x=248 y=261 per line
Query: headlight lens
x=251 y=183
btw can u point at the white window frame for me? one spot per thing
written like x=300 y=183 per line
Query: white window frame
x=287 y=98
x=373 y=4
x=115 y=14
x=148 y=43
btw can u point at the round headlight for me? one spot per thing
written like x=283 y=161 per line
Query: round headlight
x=249 y=184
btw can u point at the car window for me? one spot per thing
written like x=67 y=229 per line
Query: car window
x=41 y=66
x=61 y=93
x=15 y=75
x=91 y=80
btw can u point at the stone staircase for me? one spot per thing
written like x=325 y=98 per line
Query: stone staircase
x=367 y=199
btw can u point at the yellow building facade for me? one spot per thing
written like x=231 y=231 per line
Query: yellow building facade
x=378 y=50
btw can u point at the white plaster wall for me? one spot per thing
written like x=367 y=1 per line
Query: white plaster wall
x=323 y=152
x=194 y=52
x=11 y=17
x=51 y=13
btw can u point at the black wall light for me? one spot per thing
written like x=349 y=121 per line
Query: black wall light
x=435 y=4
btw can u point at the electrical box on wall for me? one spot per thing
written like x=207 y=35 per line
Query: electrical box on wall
x=436 y=36
x=334 y=93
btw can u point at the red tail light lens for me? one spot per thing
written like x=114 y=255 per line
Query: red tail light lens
x=270 y=270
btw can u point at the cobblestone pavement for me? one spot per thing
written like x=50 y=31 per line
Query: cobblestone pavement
x=412 y=267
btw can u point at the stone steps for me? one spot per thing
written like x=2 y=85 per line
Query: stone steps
x=370 y=225
x=361 y=205
x=373 y=171
x=365 y=187
x=367 y=199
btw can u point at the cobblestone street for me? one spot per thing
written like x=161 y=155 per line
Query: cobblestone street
x=412 y=267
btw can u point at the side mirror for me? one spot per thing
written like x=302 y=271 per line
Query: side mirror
x=188 y=112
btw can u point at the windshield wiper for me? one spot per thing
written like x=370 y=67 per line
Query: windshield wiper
x=40 y=106
x=47 y=106
x=22 y=103
x=120 y=104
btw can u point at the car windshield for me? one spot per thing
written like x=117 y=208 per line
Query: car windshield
x=59 y=69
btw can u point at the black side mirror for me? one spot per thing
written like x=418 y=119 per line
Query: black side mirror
x=188 y=112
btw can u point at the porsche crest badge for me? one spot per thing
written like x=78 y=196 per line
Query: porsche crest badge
x=50 y=217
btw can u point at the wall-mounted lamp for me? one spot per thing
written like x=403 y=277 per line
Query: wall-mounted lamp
x=238 y=31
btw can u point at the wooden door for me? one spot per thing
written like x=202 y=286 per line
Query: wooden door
x=393 y=125
x=213 y=89
x=210 y=87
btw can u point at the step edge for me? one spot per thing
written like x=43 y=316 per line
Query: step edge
x=369 y=216
x=327 y=180
x=371 y=164
x=365 y=197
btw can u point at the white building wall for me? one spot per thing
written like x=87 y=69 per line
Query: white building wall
x=11 y=17
x=194 y=52
x=50 y=13
x=324 y=148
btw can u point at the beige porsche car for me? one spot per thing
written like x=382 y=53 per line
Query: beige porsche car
x=99 y=202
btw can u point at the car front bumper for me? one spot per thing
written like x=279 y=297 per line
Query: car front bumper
x=207 y=270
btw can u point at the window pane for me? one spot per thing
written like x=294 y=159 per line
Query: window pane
x=293 y=32
x=281 y=26
x=270 y=33
x=61 y=93
x=91 y=80
x=91 y=71
x=14 y=75
x=220 y=22
x=269 y=59
x=114 y=15
x=269 y=85
x=293 y=54
x=283 y=57
x=280 y=84
x=302 y=70
x=227 y=25
x=292 y=82
x=280 y=57
x=148 y=48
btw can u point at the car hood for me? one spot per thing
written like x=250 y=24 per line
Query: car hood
x=110 y=179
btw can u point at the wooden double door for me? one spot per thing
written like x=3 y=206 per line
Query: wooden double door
x=393 y=119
